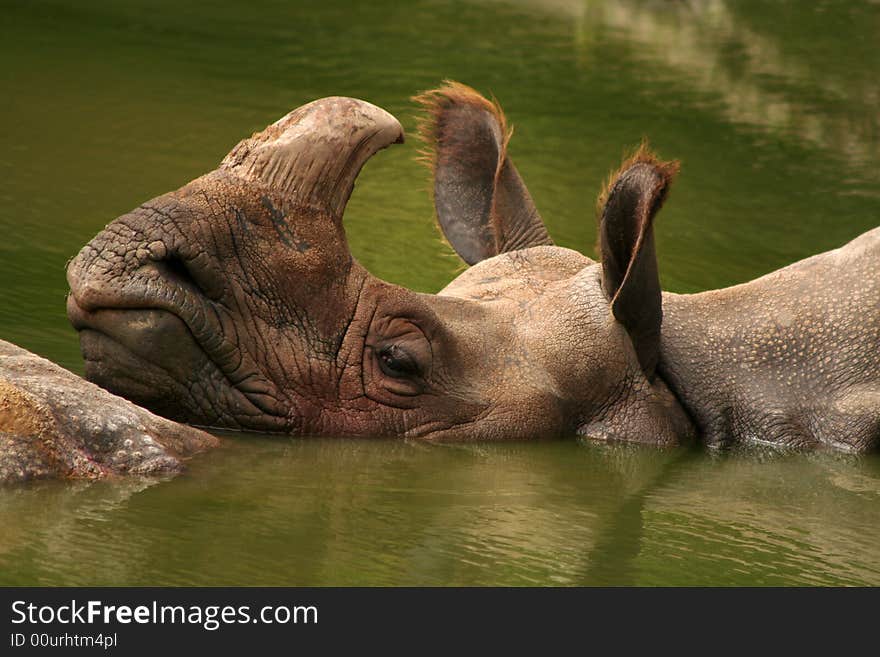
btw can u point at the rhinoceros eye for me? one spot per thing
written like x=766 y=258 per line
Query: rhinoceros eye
x=395 y=362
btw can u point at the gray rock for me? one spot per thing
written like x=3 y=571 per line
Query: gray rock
x=54 y=424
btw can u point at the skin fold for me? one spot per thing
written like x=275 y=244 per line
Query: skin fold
x=235 y=302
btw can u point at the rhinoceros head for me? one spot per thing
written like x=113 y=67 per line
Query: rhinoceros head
x=235 y=300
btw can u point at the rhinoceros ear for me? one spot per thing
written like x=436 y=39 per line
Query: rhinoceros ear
x=626 y=242
x=482 y=205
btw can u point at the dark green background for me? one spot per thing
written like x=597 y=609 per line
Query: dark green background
x=774 y=111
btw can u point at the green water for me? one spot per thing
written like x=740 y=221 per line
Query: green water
x=774 y=111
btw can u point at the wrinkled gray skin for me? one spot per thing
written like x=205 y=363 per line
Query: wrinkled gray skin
x=235 y=302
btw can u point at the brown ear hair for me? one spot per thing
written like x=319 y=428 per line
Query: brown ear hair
x=627 y=206
x=483 y=206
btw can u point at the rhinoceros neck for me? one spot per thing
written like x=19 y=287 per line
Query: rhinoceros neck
x=789 y=358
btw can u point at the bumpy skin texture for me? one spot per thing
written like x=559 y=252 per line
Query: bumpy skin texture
x=792 y=358
x=235 y=301
x=54 y=424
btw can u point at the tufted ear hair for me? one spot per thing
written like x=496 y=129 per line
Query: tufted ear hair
x=483 y=206
x=630 y=277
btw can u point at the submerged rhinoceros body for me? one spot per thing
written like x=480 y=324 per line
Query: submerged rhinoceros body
x=235 y=302
x=55 y=425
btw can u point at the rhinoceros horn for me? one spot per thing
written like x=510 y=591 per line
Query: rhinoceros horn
x=313 y=154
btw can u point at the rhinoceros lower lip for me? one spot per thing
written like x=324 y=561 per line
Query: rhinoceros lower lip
x=162 y=339
x=143 y=335
x=146 y=319
x=146 y=332
x=149 y=334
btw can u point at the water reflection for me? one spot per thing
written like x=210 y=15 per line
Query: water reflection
x=43 y=520
x=746 y=75
x=349 y=512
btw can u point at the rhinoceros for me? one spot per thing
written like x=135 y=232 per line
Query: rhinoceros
x=235 y=302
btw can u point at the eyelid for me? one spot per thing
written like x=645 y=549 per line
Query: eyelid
x=397 y=352
x=407 y=348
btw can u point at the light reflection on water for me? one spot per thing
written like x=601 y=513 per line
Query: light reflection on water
x=773 y=109
x=307 y=512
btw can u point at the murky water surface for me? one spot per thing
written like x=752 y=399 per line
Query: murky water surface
x=774 y=111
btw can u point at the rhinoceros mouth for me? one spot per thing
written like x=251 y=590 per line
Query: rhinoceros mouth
x=151 y=356
x=160 y=313
x=125 y=349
